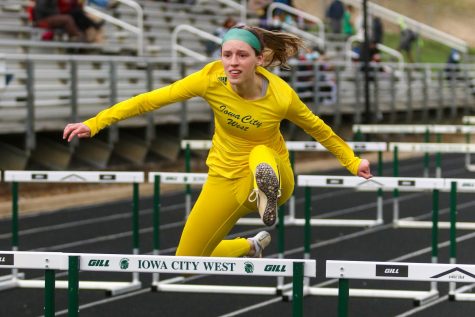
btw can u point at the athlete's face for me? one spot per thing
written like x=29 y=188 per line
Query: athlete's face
x=240 y=61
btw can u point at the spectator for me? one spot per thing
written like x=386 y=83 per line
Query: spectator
x=91 y=28
x=377 y=30
x=105 y=4
x=407 y=39
x=452 y=69
x=335 y=13
x=348 y=25
x=46 y=15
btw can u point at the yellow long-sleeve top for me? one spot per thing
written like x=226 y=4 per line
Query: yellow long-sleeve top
x=240 y=124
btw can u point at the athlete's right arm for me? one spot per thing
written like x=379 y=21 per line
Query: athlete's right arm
x=188 y=87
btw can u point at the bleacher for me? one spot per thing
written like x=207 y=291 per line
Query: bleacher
x=55 y=82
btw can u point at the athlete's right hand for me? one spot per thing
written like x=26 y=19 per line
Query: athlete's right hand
x=76 y=129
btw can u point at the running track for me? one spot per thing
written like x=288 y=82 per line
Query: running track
x=107 y=229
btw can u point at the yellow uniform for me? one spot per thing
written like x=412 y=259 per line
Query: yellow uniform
x=247 y=132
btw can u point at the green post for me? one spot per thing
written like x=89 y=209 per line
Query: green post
x=380 y=163
x=135 y=216
x=297 y=289
x=281 y=230
x=435 y=223
x=453 y=220
x=358 y=136
x=156 y=213
x=395 y=170
x=73 y=286
x=343 y=297
x=308 y=212
x=14 y=216
x=188 y=167
x=426 y=155
x=438 y=158
x=49 y=293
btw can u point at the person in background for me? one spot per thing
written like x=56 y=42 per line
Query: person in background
x=334 y=13
x=406 y=40
x=46 y=15
x=248 y=162
x=90 y=27
x=348 y=24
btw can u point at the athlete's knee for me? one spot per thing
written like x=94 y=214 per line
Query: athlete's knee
x=259 y=149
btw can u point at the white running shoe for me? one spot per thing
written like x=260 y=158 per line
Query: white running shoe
x=260 y=242
x=267 y=193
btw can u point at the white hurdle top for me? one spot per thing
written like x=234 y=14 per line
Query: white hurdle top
x=74 y=176
x=193 y=265
x=372 y=184
x=178 y=178
x=156 y=263
x=468 y=120
x=296 y=145
x=412 y=128
x=400 y=271
x=433 y=147
x=33 y=260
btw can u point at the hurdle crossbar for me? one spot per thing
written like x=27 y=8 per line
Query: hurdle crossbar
x=75 y=262
x=397 y=271
x=16 y=279
x=292 y=146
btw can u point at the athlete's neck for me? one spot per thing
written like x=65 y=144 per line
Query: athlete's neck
x=251 y=89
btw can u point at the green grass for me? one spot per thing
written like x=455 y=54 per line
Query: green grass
x=425 y=51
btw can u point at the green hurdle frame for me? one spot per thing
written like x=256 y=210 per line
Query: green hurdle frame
x=378 y=184
x=427 y=130
x=16 y=279
x=75 y=262
x=193 y=179
x=293 y=147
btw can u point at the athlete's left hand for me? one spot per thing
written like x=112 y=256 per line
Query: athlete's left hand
x=364 y=170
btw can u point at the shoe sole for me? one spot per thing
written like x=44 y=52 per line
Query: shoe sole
x=268 y=183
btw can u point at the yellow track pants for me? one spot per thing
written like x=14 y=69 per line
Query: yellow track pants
x=223 y=201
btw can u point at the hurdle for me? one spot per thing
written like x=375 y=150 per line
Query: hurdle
x=425 y=129
x=292 y=146
x=345 y=271
x=297 y=269
x=16 y=279
x=158 y=178
x=437 y=148
x=373 y=184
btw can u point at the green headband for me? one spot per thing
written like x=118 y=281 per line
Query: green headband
x=243 y=35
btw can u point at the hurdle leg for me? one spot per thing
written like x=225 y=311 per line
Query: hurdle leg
x=297 y=289
x=343 y=297
x=73 y=286
x=49 y=293
x=135 y=228
x=453 y=233
x=281 y=241
x=435 y=231
x=156 y=223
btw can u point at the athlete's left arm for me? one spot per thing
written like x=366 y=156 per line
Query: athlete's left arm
x=300 y=114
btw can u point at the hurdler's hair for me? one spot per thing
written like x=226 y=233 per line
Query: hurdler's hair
x=278 y=47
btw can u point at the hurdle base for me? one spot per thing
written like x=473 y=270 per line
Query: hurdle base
x=419 y=297
x=10 y=281
x=215 y=289
x=111 y=288
x=337 y=222
x=410 y=223
x=317 y=222
x=464 y=297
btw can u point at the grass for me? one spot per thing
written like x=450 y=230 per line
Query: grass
x=424 y=51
